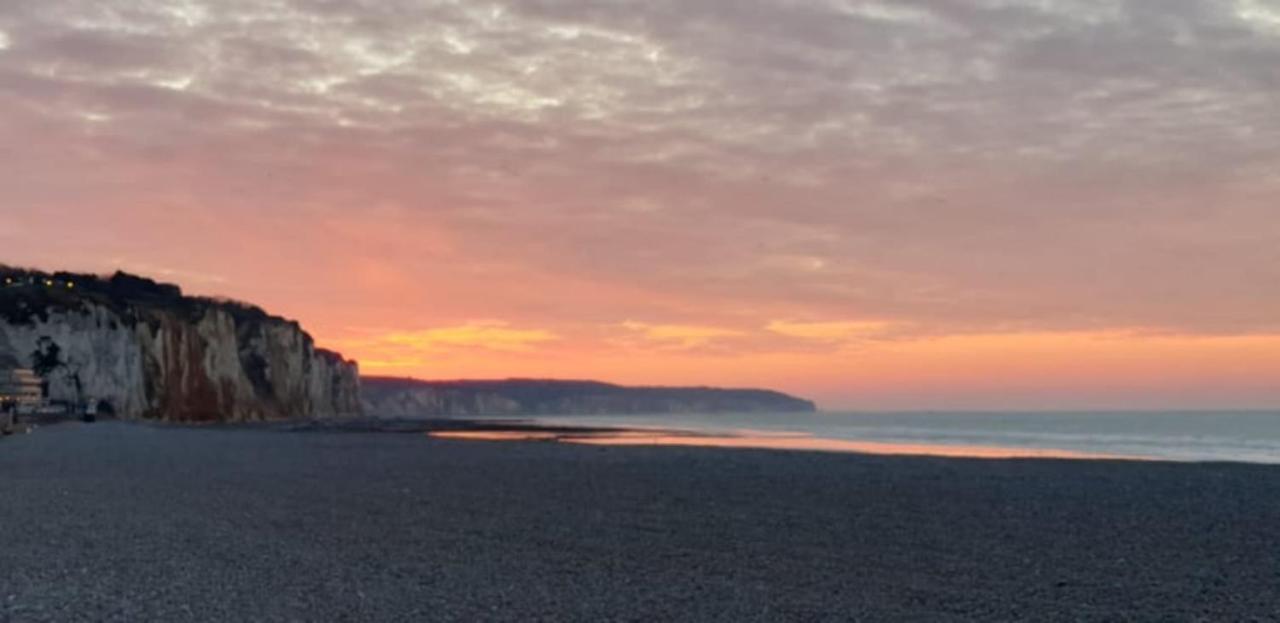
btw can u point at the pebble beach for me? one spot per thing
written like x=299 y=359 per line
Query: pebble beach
x=123 y=522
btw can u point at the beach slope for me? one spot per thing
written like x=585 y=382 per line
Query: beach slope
x=135 y=522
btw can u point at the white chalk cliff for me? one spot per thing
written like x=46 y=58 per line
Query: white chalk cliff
x=150 y=352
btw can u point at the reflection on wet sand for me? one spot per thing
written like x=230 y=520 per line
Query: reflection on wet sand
x=768 y=441
x=497 y=435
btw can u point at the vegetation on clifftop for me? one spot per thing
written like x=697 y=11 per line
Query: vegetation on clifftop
x=30 y=294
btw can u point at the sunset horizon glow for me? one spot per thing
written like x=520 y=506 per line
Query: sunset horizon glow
x=982 y=205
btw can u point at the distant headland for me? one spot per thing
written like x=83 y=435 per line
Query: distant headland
x=406 y=397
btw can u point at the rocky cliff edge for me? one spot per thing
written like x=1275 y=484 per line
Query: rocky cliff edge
x=147 y=351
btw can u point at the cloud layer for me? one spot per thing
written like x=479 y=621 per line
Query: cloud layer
x=772 y=174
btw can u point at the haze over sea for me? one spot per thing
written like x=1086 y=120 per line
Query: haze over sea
x=1244 y=436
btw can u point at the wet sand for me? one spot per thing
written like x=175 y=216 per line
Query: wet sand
x=767 y=441
x=122 y=522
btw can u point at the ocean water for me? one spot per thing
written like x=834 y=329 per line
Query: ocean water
x=1252 y=436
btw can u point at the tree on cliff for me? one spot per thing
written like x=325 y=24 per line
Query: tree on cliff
x=47 y=359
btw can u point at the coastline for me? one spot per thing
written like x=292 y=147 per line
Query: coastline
x=482 y=429
x=750 y=440
x=197 y=523
x=626 y=432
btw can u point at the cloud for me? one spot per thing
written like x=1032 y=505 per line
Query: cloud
x=956 y=166
x=679 y=336
x=488 y=335
x=840 y=331
x=1259 y=15
x=392 y=349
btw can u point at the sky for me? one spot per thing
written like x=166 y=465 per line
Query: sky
x=920 y=204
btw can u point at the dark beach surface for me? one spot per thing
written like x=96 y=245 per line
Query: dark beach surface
x=113 y=521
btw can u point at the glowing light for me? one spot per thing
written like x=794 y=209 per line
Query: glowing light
x=409 y=349
x=828 y=331
x=684 y=336
x=808 y=443
x=770 y=441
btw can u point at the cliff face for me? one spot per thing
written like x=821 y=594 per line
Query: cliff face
x=389 y=397
x=150 y=352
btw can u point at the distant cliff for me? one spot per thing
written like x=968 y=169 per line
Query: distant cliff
x=150 y=352
x=392 y=397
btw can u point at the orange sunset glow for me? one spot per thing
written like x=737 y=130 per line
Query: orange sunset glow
x=746 y=440
x=651 y=196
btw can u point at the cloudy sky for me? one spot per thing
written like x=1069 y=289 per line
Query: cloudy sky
x=911 y=204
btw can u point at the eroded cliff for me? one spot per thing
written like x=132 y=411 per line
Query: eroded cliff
x=150 y=352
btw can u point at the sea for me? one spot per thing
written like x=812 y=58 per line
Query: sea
x=1199 y=436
